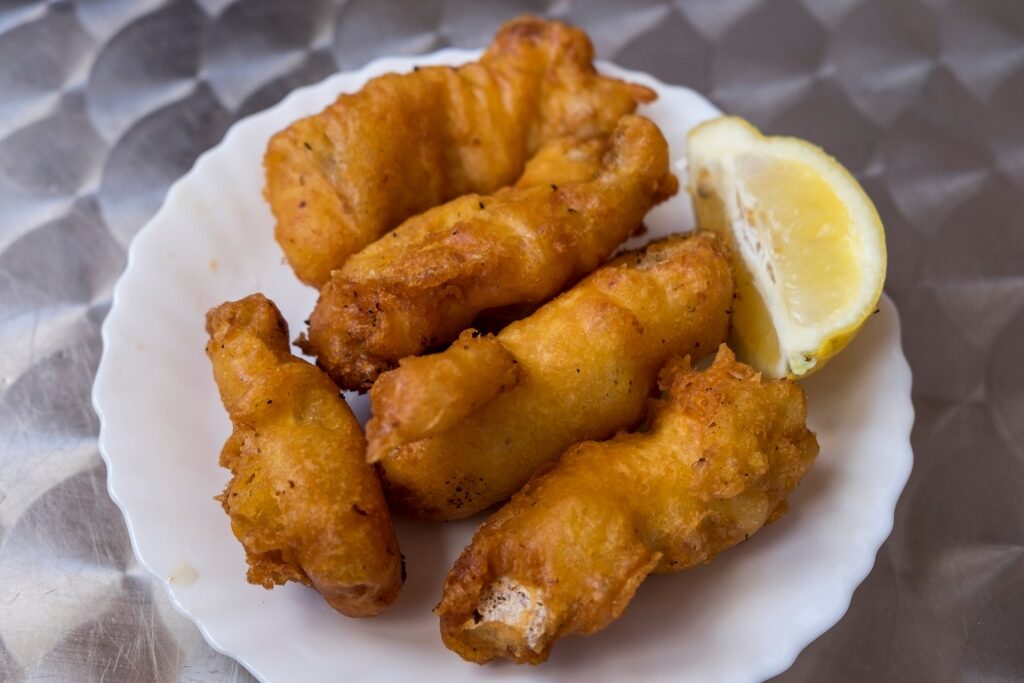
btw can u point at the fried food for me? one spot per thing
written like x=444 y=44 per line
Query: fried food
x=302 y=500
x=427 y=281
x=566 y=555
x=340 y=179
x=458 y=431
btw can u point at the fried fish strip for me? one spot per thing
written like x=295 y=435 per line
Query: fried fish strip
x=340 y=179
x=302 y=500
x=566 y=555
x=428 y=280
x=458 y=431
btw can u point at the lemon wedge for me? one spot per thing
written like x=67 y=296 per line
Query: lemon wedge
x=808 y=245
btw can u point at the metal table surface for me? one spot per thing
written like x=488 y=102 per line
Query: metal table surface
x=104 y=103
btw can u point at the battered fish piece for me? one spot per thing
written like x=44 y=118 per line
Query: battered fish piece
x=302 y=500
x=426 y=282
x=458 y=431
x=566 y=555
x=407 y=142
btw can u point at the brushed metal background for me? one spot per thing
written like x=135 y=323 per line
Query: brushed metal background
x=103 y=103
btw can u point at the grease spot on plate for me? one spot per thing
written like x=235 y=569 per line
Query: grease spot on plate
x=185 y=575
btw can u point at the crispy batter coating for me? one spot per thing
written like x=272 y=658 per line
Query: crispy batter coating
x=302 y=500
x=566 y=555
x=406 y=142
x=423 y=284
x=581 y=367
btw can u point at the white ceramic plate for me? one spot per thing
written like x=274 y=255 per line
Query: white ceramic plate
x=743 y=618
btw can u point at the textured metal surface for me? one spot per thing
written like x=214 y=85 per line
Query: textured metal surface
x=105 y=102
